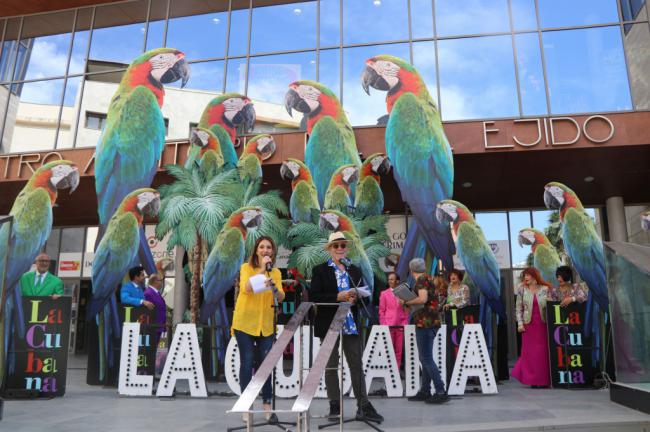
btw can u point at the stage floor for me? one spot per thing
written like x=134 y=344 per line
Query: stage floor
x=516 y=407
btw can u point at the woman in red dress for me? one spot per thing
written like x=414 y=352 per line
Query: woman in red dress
x=532 y=368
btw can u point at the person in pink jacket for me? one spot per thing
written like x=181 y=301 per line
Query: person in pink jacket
x=391 y=313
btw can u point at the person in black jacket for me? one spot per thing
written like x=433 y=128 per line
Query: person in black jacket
x=331 y=283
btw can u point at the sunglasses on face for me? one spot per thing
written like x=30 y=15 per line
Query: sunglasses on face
x=340 y=245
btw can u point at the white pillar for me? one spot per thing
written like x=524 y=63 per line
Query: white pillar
x=616 y=222
x=180 y=287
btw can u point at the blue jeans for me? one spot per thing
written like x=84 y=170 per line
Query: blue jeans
x=251 y=347
x=424 y=337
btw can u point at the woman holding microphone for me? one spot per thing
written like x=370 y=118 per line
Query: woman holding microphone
x=253 y=323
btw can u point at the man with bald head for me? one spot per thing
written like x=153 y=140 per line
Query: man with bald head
x=41 y=282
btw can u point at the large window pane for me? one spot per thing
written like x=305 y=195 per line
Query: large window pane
x=9 y=50
x=424 y=60
x=72 y=239
x=637 y=48
x=495 y=227
x=118 y=35
x=422 y=18
x=562 y=13
x=238 y=44
x=518 y=221
x=80 y=42
x=37 y=115
x=330 y=23
x=198 y=36
x=523 y=14
x=49 y=36
x=578 y=63
x=471 y=17
x=374 y=21
x=364 y=110
x=475 y=73
x=236 y=77
x=531 y=75
x=69 y=113
x=98 y=90
x=268 y=79
x=156 y=28
x=329 y=72
x=296 y=22
x=542 y=219
x=9 y=100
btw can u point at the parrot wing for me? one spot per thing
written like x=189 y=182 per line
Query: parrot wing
x=129 y=149
x=227 y=147
x=114 y=256
x=221 y=268
x=546 y=260
x=369 y=199
x=423 y=168
x=303 y=202
x=481 y=265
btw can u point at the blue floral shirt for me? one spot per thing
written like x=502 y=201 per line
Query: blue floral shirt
x=343 y=284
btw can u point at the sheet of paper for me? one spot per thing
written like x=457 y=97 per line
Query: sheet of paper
x=258 y=283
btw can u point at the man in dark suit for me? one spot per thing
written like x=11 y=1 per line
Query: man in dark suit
x=331 y=283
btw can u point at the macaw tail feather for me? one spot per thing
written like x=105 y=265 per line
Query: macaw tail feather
x=412 y=244
x=592 y=327
x=19 y=314
x=144 y=253
x=102 y=340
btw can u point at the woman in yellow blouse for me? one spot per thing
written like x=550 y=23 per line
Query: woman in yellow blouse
x=252 y=321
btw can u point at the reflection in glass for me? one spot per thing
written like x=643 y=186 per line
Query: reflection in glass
x=474 y=73
x=34 y=125
x=296 y=22
x=184 y=106
x=80 y=42
x=49 y=38
x=518 y=220
x=474 y=17
x=523 y=14
x=155 y=35
x=494 y=226
x=200 y=36
x=236 y=76
x=637 y=44
x=374 y=21
x=269 y=76
x=561 y=13
x=69 y=113
x=330 y=23
x=364 y=110
x=119 y=44
x=577 y=64
x=422 y=18
x=531 y=75
x=424 y=59
x=238 y=44
x=9 y=49
x=98 y=89
x=329 y=73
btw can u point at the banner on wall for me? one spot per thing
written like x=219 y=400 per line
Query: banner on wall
x=146 y=360
x=41 y=358
x=69 y=264
x=569 y=349
x=159 y=247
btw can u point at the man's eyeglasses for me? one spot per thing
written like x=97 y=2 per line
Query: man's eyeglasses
x=339 y=245
x=43 y=261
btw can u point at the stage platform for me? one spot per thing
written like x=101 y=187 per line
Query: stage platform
x=515 y=408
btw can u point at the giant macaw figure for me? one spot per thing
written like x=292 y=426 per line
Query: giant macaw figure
x=545 y=257
x=256 y=150
x=333 y=220
x=419 y=152
x=585 y=249
x=223 y=116
x=31 y=227
x=221 y=268
x=340 y=188
x=477 y=258
x=303 y=204
x=131 y=145
x=369 y=199
x=114 y=256
x=204 y=152
x=331 y=138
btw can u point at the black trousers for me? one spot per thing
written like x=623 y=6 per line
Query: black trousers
x=353 y=354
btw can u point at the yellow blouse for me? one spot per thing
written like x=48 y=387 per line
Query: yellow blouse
x=254 y=312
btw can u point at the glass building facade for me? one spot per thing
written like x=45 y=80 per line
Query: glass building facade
x=482 y=59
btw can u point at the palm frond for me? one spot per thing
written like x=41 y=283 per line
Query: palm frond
x=304 y=233
x=307 y=257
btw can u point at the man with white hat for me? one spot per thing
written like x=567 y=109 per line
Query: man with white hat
x=331 y=283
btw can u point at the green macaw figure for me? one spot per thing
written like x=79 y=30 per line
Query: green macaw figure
x=339 y=190
x=303 y=204
x=256 y=150
x=331 y=138
x=369 y=199
x=545 y=257
x=223 y=116
x=204 y=152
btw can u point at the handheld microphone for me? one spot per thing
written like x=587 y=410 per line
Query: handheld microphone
x=269 y=267
x=346 y=262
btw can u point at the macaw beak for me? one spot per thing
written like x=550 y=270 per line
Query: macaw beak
x=352 y=177
x=254 y=221
x=384 y=167
x=153 y=207
x=245 y=116
x=523 y=240
x=325 y=223
x=285 y=172
x=443 y=216
x=199 y=138
x=292 y=100
x=550 y=201
x=69 y=180
x=370 y=78
x=180 y=70
x=268 y=148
